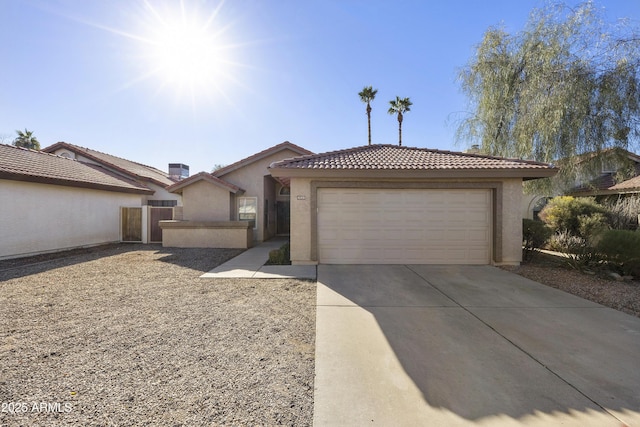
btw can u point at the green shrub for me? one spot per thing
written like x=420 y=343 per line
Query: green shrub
x=621 y=248
x=571 y=214
x=534 y=236
x=280 y=256
x=590 y=226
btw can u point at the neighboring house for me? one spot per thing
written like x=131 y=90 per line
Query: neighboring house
x=152 y=178
x=604 y=181
x=52 y=203
x=387 y=204
x=616 y=163
x=234 y=206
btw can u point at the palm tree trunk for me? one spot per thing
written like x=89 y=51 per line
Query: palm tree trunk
x=400 y=129
x=369 y=121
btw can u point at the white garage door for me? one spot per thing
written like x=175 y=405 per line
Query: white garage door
x=403 y=226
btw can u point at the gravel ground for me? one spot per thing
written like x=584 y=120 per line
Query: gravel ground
x=130 y=335
x=549 y=270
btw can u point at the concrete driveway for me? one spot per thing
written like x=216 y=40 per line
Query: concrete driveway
x=468 y=345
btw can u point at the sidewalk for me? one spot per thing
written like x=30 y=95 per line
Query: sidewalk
x=250 y=265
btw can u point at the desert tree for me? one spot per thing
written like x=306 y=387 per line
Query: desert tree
x=566 y=87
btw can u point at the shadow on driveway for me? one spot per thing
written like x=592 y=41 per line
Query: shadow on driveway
x=447 y=345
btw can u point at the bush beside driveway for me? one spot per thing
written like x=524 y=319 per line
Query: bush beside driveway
x=130 y=335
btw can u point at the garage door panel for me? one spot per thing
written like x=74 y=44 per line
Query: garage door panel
x=404 y=226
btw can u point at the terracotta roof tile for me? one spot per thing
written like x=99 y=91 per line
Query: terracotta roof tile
x=22 y=164
x=393 y=157
x=136 y=170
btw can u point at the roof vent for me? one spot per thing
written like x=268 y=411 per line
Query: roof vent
x=178 y=171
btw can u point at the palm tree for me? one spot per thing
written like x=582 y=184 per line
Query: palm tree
x=27 y=140
x=367 y=95
x=399 y=106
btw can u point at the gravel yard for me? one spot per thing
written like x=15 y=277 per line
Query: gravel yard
x=549 y=270
x=130 y=335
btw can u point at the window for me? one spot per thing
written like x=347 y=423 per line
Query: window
x=162 y=203
x=285 y=191
x=248 y=210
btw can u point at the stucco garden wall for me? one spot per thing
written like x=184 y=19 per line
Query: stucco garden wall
x=40 y=218
x=206 y=234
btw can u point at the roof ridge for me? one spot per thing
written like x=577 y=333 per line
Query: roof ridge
x=44 y=153
x=87 y=149
x=406 y=148
x=233 y=166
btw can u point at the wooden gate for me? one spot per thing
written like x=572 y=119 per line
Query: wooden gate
x=131 y=224
x=158 y=214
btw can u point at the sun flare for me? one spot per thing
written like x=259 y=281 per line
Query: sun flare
x=185 y=50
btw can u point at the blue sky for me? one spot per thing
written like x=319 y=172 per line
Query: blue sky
x=103 y=74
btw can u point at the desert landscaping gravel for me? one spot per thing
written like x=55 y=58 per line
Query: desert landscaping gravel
x=597 y=287
x=130 y=335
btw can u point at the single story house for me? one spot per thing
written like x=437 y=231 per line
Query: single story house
x=52 y=203
x=387 y=204
x=234 y=206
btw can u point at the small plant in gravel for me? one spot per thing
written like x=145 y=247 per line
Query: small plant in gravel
x=280 y=256
x=535 y=235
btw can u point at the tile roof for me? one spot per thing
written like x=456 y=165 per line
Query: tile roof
x=630 y=184
x=262 y=154
x=21 y=164
x=134 y=169
x=596 y=185
x=206 y=177
x=394 y=157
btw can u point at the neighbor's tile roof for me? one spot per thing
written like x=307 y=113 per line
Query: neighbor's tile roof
x=21 y=164
x=394 y=157
x=601 y=183
x=630 y=184
x=134 y=169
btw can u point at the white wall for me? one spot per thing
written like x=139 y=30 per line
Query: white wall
x=39 y=217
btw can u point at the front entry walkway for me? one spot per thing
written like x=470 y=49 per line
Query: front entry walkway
x=468 y=345
x=250 y=264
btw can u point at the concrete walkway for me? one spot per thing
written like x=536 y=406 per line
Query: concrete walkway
x=468 y=345
x=250 y=264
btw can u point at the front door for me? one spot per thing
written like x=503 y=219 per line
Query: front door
x=282 y=217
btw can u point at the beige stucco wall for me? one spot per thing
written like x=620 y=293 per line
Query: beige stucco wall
x=204 y=201
x=511 y=221
x=40 y=218
x=251 y=179
x=510 y=207
x=206 y=234
x=300 y=234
